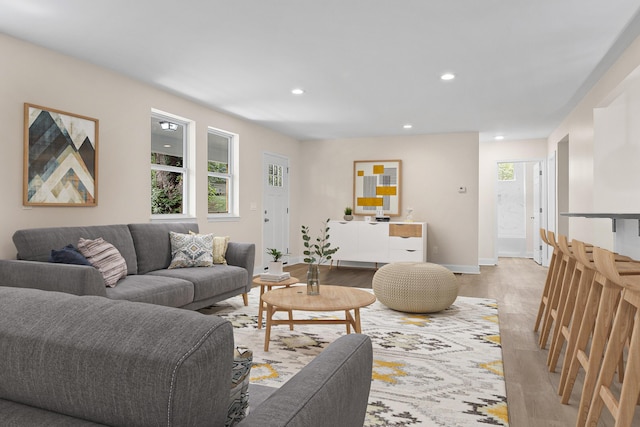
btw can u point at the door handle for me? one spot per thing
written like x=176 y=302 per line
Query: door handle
x=266 y=220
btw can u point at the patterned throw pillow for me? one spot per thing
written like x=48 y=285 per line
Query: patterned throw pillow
x=191 y=250
x=220 y=249
x=105 y=257
x=239 y=396
x=68 y=255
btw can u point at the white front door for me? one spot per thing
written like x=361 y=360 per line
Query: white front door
x=275 y=214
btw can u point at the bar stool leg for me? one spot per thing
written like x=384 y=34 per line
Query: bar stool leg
x=547 y=283
x=561 y=331
x=623 y=410
x=554 y=298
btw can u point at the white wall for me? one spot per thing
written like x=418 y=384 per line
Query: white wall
x=433 y=167
x=321 y=171
x=123 y=107
x=589 y=192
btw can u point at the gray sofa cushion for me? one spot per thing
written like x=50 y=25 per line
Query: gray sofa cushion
x=17 y=415
x=153 y=243
x=35 y=244
x=208 y=281
x=114 y=362
x=166 y=291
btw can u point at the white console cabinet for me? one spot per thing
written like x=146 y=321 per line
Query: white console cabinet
x=379 y=242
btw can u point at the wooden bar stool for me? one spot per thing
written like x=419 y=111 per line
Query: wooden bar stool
x=547 y=284
x=586 y=271
x=584 y=316
x=598 y=316
x=571 y=308
x=565 y=290
x=554 y=291
x=624 y=330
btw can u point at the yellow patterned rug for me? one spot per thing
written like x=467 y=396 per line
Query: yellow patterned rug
x=442 y=369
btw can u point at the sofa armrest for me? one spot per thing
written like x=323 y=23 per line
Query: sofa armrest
x=117 y=363
x=332 y=390
x=242 y=255
x=68 y=278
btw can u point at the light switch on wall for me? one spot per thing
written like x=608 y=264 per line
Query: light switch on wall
x=253 y=206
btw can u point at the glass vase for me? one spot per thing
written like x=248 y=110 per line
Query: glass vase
x=313 y=280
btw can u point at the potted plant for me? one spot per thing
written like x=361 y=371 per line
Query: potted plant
x=315 y=254
x=348 y=213
x=275 y=265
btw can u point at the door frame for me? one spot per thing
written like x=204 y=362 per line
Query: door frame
x=543 y=203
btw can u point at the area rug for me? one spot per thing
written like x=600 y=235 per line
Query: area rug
x=442 y=369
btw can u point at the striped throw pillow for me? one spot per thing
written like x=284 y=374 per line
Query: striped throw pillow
x=106 y=258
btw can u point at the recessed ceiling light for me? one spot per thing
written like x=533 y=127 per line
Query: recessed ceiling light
x=499 y=137
x=448 y=76
x=407 y=126
x=168 y=126
x=297 y=91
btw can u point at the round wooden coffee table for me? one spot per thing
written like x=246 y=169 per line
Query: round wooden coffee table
x=331 y=298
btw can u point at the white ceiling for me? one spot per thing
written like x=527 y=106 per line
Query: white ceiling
x=367 y=66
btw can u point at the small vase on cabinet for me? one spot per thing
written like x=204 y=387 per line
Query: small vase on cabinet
x=313 y=280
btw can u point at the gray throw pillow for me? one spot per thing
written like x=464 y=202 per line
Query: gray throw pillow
x=68 y=255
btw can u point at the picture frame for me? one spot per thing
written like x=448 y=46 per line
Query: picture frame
x=377 y=185
x=60 y=158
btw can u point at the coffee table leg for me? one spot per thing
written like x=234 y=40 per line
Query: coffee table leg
x=260 y=307
x=267 y=335
x=357 y=324
x=290 y=320
x=347 y=320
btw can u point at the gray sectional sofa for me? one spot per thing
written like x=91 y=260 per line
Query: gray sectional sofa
x=69 y=360
x=146 y=249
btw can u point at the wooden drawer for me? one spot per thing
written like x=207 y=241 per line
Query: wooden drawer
x=405 y=230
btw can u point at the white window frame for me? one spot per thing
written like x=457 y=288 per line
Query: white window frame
x=232 y=176
x=187 y=170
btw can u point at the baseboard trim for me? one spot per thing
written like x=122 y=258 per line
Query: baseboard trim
x=488 y=261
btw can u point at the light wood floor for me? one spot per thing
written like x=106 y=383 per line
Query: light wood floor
x=516 y=284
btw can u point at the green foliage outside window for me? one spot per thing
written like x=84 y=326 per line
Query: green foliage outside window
x=218 y=188
x=506 y=172
x=166 y=187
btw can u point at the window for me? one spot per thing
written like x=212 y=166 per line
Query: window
x=169 y=166
x=275 y=175
x=221 y=173
x=506 y=172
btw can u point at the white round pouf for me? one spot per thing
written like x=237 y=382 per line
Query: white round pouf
x=415 y=287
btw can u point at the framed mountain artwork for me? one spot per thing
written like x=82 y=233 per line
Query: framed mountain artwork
x=60 y=158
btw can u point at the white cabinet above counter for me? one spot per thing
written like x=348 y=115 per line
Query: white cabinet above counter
x=379 y=242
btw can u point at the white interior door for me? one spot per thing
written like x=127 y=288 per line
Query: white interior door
x=511 y=209
x=275 y=230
